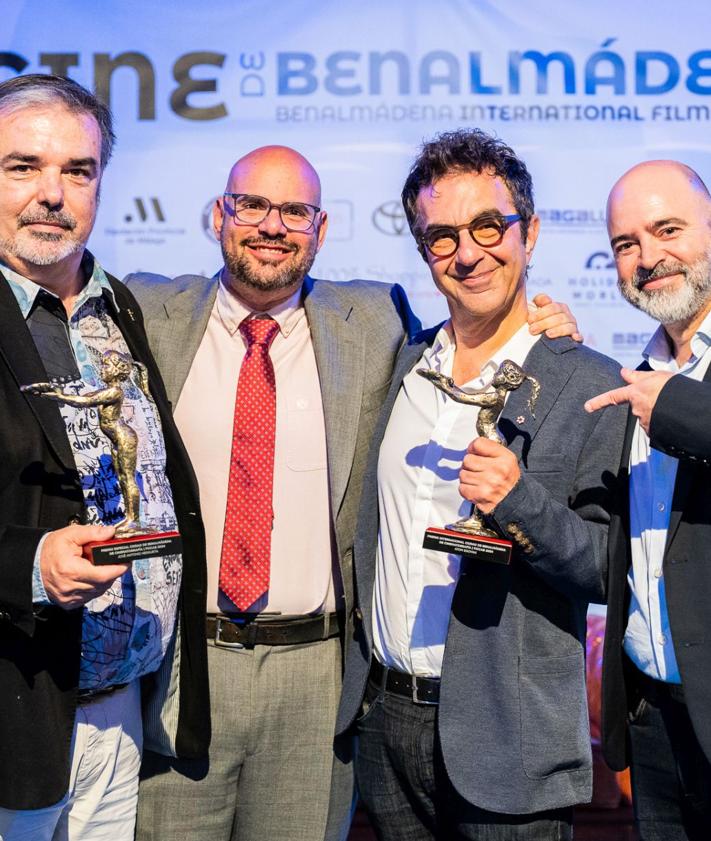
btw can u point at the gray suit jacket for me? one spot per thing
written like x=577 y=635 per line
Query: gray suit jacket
x=513 y=719
x=357 y=329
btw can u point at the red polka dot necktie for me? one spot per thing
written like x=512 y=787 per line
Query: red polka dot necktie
x=246 y=541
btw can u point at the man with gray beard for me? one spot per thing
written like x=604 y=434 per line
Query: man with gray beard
x=657 y=665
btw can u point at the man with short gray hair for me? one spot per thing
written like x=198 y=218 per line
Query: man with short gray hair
x=76 y=638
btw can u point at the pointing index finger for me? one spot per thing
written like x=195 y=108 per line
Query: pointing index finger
x=608 y=398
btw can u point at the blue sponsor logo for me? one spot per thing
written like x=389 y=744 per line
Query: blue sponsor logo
x=600 y=260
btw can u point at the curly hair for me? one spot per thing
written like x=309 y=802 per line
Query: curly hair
x=468 y=150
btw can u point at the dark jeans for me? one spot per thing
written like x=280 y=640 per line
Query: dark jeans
x=406 y=791
x=671 y=777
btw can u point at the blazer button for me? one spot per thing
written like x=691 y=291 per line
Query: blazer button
x=4 y=616
x=358 y=614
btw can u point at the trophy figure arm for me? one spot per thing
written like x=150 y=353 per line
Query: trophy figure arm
x=49 y=390
x=484 y=400
x=142 y=378
x=533 y=397
x=487 y=400
x=103 y=398
x=459 y=395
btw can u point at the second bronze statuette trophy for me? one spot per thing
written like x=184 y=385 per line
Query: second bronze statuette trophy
x=470 y=536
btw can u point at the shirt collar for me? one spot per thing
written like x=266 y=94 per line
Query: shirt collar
x=26 y=290
x=233 y=311
x=658 y=351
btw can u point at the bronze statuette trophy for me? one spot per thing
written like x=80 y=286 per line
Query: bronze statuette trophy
x=469 y=536
x=132 y=540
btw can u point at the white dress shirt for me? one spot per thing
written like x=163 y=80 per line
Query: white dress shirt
x=418 y=477
x=648 y=640
x=302 y=546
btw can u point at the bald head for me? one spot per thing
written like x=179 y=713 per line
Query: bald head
x=269 y=247
x=656 y=178
x=278 y=173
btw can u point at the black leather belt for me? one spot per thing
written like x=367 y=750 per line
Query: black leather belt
x=248 y=630
x=86 y=696
x=658 y=690
x=420 y=690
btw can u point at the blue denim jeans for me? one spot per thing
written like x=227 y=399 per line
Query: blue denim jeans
x=671 y=777
x=406 y=791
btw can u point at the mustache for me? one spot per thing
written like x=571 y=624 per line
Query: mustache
x=641 y=276
x=51 y=217
x=255 y=242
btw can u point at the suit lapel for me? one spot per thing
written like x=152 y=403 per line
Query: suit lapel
x=620 y=528
x=366 y=538
x=340 y=351
x=618 y=539
x=188 y=314
x=685 y=475
x=404 y=363
x=406 y=359
x=549 y=363
x=134 y=336
x=19 y=351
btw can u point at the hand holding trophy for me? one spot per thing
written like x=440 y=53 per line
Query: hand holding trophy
x=469 y=536
x=132 y=539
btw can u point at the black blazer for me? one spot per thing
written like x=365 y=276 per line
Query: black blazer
x=681 y=427
x=39 y=492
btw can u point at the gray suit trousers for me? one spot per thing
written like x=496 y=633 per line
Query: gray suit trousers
x=271 y=765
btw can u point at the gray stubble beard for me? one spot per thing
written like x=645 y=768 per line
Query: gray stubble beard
x=670 y=306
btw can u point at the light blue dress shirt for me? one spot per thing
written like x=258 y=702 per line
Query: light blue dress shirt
x=648 y=640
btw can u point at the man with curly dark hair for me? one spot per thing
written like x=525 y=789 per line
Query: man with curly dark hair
x=470 y=672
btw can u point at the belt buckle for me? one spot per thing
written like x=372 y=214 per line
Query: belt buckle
x=416 y=698
x=219 y=642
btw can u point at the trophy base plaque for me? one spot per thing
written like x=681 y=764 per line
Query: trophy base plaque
x=125 y=550
x=476 y=546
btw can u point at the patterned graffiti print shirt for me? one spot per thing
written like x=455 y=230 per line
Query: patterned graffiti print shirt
x=126 y=631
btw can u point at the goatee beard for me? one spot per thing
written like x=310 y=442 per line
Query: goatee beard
x=266 y=277
x=669 y=306
x=43 y=248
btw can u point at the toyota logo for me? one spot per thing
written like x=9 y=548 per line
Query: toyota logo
x=389 y=218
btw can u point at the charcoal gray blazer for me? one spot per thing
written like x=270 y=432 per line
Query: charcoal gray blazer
x=512 y=719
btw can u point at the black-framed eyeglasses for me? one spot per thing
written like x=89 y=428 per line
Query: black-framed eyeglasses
x=252 y=210
x=487 y=231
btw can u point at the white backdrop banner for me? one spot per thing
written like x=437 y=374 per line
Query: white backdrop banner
x=581 y=91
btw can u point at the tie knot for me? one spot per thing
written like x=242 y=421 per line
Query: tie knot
x=259 y=331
